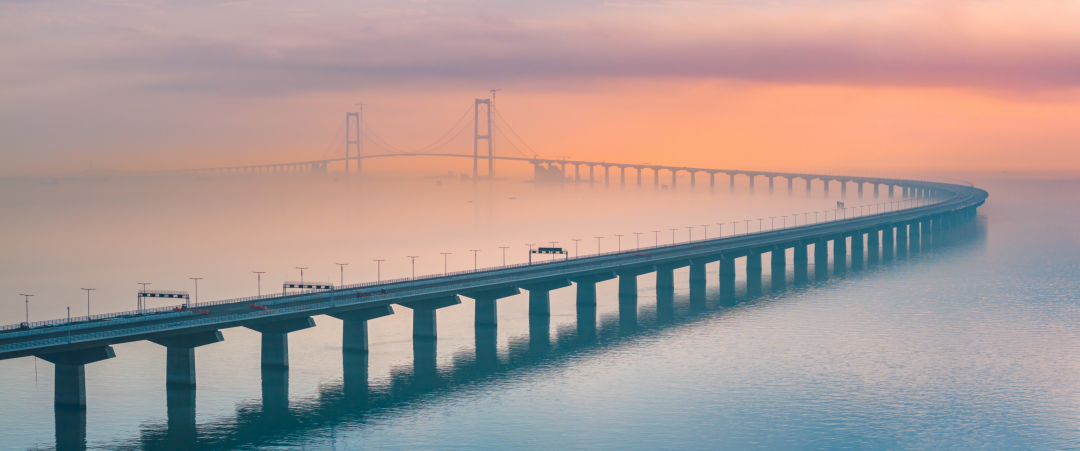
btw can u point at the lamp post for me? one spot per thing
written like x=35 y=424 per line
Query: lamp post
x=772 y=223
x=619 y=248
x=413 y=257
x=474 y=259
x=139 y=302
x=656 y=238
x=301 y=273
x=197 y=279
x=342 y=265
x=88 y=290
x=259 y=274
x=598 y=244
x=706 y=226
x=504 y=248
x=445 y=258
x=689 y=234
x=27 y=298
x=530 y=251
x=747 y=221
x=576 y=246
x=378 y=270
x=673 y=236
x=553 y=243
x=637 y=240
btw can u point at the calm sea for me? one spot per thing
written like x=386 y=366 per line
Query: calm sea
x=971 y=344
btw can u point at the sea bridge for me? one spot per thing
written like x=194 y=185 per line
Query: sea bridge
x=924 y=208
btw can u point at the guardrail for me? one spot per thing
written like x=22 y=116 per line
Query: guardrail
x=278 y=298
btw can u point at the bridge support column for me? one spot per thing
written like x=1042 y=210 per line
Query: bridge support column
x=873 y=246
x=180 y=355
x=916 y=236
x=693 y=179
x=656 y=178
x=891 y=191
x=843 y=189
x=622 y=176
x=69 y=373
x=354 y=330
x=697 y=284
x=790 y=185
x=586 y=304
x=180 y=412
x=753 y=273
x=486 y=309
x=840 y=254
x=639 y=177
x=860 y=190
x=665 y=291
x=628 y=295
x=592 y=178
x=771 y=185
x=712 y=180
x=275 y=339
x=901 y=239
x=801 y=264
x=808 y=191
x=727 y=279
x=751 y=183
x=674 y=173
x=424 y=324
x=607 y=175
x=826 y=182
x=540 y=296
x=857 y=250
x=877 y=190
x=887 y=242
x=731 y=182
x=821 y=259
x=779 y=267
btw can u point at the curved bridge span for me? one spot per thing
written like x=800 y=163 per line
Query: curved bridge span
x=931 y=207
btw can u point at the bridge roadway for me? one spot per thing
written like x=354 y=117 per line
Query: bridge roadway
x=70 y=346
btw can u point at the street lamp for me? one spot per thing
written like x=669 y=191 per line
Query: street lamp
x=576 y=246
x=378 y=270
x=706 y=226
x=759 y=221
x=474 y=264
x=772 y=222
x=444 y=260
x=747 y=221
x=342 y=265
x=673 y=236
x=197 y=279
x=259 y=275
x=27 y=297
x=598 y=244
x=620 y=243
x=504 y=248
x=413 y=257
x=689 y=234
x=301 y=273
x=88 y=290
x=656 y=238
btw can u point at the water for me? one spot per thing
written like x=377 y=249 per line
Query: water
x=967 y=345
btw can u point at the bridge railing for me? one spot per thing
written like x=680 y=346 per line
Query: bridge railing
x=41 y=327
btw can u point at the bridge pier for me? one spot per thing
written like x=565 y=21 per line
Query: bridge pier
x=778 y=267
x=887 y=242
x=790 y=185
x=857 y=251
x=674 y=172
x=843 y=189
x=731 y=182
x=607 y=175
x=622 y=176
x=801 y=264
x=592 y=178
x=424 y=324
x=656 y=178
x=693 y=179
x=770 y=185
x=727 y=279
x=586 y=304
x=540 y=296
x=628 y=296
x=486 y=308
x=712 y=180
x=877 y=192
x=753 y=273
x=873 y=246
x=826 y=182
x=751 y=183
x=639 y=176
x=69 y=374
x=891 y=191
x=840 y=254
x=180 y=412
x=275 y=339
x=354 y=333
x=916 y=236
x=901 y=239
x=697 y=284
x=180 y=355
x=821 y=259
x=860 y=190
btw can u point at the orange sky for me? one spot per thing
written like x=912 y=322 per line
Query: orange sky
x=912 y=86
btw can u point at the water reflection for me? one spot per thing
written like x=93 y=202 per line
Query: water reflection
x=354 y=401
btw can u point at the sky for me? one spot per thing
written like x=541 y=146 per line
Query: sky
x=940 y=86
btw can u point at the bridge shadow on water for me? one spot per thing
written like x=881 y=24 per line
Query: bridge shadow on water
x=354 y=402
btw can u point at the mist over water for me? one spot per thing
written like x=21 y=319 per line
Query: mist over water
x=970 y=344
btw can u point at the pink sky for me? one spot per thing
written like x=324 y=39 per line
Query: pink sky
x=920 y=86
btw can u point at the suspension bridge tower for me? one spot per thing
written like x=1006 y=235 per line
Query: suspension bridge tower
x=477 y=137
x=354 y=137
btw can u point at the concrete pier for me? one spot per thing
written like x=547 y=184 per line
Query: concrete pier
x=877 y=191
x=586 y=286
x=727 y=279
x=860 y=190
x=275 y=339
x=355 y=377
x=424 y=324
x=778 y=267
x=840 y=254
x=180 y=410
x=628 y=296
x=801 y=264
x=354 y=333
x=753 y=273
x=70 y=426
x=857 y=251
x=808 y=190
x=69 y=382
x=873 y=246
x=821 y=259
x=887 y=243
x=901 y=239
x=540 y=296
x=697 y=285
x=487 y=313
x=180 y=355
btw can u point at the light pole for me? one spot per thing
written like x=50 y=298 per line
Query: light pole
x=637 y=240
x=673 y=236
x=734 y=230
x=413 y=257
x=656 y=238
x=747 y=221
x=619 y=248
x=553 y=243
x=378 y=270
x=576 y=246
x=88 y=290
x=196 y=279
x=139 y=304
x=598 y=244
x=474 y=264
x=721 y=226
x=259 y=274
x=689 y=234
x=445 y=258
x=301 y=273
x=504 y=248
x=530 y=251
x=342 y=265
x=706 y=226
x=772 y=223
x=27 y=298
x=759 y=221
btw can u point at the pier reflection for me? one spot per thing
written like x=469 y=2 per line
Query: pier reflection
x=355 y=400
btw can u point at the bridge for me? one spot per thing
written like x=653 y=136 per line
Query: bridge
x=924 y=209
